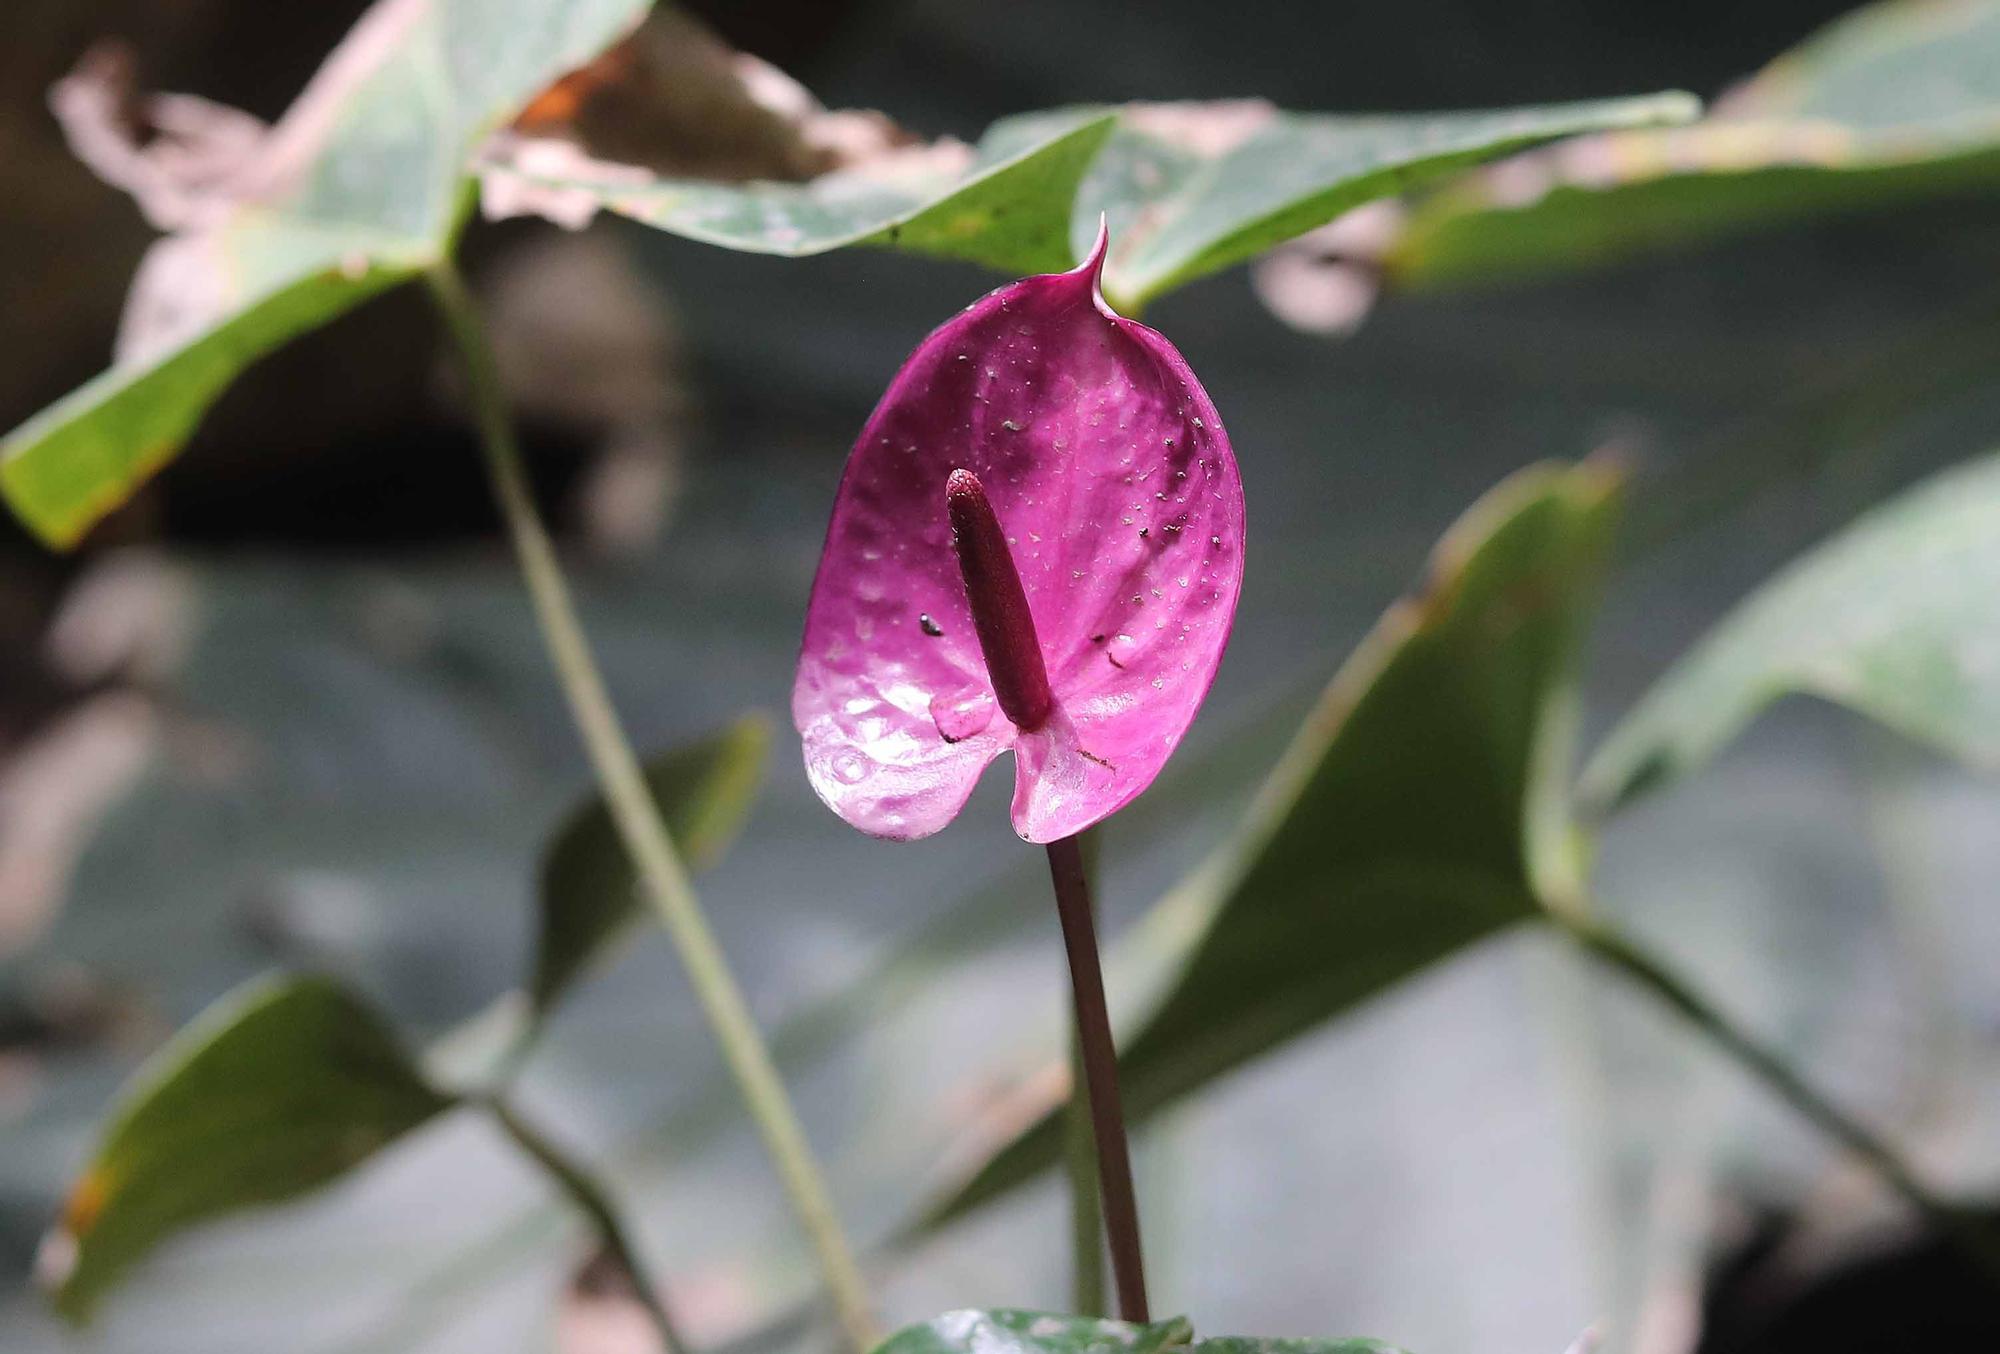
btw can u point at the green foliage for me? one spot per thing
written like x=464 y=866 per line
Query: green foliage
x=1008 y=209
x=1396 y=830
x=81 y=457
x=358 y=187
x=1185 y=203
x=1897 y=102
x=1017 y=1332
x=589 y=895
x=278 y=1089
x=1009 y=1331
x=291 y=1083
x=1894 y=617
x=361 y=186
x=1188 y=192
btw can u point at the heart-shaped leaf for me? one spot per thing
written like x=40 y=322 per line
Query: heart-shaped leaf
x=1896 y=102
x=1005 y=204
x=1895 y=617
x=1017 y=1332
x=357 y=187
x=588 y=887
x=1191 y=189
x=278 y=1089
x=1397 y=828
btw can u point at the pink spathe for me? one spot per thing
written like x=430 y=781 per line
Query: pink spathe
x=1119 y=498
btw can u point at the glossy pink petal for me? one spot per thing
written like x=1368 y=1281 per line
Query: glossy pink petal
x=1119 y=496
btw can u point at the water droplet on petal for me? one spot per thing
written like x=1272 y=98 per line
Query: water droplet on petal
x=851 y=768
x=962 y=713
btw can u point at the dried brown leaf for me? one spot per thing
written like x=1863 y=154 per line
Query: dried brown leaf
x=675 y=100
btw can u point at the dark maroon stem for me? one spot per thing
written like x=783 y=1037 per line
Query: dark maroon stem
x=1020 y=678
x=1100 y=1075
x=999 y=606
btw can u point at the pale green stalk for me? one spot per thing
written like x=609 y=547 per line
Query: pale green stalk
x=664 y=878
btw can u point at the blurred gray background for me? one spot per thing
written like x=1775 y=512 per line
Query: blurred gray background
x=288 y=710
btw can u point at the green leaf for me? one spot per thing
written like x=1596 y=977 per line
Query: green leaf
x=358 y=187
x=1897 y=102
x=1396 y=829
x=1008 y=1331
x=1017 y=1332
x=1894 y=617
x=589 y=891
x=1186 y=197
x=1007 y=208
x=276 y=1090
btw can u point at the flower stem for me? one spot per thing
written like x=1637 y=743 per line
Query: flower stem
x=594 y=1203
x=1607 y=945
x=1086 y=1206
x=640 y=827
x=1100 y=1075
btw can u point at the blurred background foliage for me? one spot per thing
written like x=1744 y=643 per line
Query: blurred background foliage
x=287 y=708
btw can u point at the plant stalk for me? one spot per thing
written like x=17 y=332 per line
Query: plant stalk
x=1086 y=1205
x=1100 y=1076
x=1631 y=961
x=664 y=877
x=594 y=1202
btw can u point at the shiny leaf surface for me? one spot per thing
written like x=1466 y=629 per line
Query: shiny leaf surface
x=1017 y=1332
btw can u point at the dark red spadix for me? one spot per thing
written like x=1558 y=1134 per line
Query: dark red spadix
x=1000 y=614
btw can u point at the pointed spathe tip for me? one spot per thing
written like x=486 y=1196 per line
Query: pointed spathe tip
x=1092 y=267
x=1094 y=264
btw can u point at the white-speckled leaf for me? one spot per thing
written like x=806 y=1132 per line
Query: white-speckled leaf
x=1017 y=1332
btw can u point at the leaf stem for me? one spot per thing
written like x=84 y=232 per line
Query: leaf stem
x=594 y=1202
x=663 y=876
x=1606 y=944
x=1100 y=1076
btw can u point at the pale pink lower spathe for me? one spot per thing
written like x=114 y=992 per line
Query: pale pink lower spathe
x=1115 y=484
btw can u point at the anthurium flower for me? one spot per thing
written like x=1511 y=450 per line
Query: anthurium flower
x=1060 y=466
